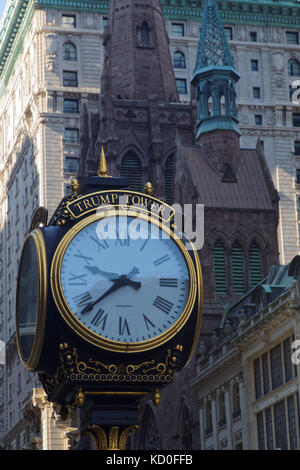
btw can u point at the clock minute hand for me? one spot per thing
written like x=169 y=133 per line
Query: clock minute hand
x=118 y=283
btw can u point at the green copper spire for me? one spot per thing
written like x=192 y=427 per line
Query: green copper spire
x=213 y=46
x=215 y=76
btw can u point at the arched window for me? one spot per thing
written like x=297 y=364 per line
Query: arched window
x=293 y=68
x=69 y=51
x=132 y=170
x=179 y=60
x=255 y=264
x=145 y=39
x=219 y=261
x=237 y=268
x=186 y=429
x=169 y=178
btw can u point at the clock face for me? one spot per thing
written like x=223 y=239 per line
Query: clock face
x=124 y=289
x=31 y=292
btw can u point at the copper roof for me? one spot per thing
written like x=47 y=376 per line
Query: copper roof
x=251 y=191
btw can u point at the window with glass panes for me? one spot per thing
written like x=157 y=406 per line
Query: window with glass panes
x=71 y=106
x=291 y=37
x=296 y=119
x=277 y=425
x=69 y=51
x=254 y=65
x=71 y=136
x=71 y=164
x=253 y=36
x=70 y=79
x=273 y=368
x=177 y=29
x=179 y=60
x=181 y=86
x=256 y=92
x=297 y=147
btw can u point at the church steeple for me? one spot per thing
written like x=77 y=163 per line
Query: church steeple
x=140 y=59
x=215 y=76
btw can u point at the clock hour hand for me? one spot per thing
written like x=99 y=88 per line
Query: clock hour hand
x=96 y=270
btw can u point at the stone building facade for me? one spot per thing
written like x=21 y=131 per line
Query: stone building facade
x=247 y=383
x=51 y=59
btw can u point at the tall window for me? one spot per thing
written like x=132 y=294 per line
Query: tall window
x=169 y=178
x=276 y=366
x=208 y=418
x=179 y=60
x=237 y=268
x=291 y=37
x=70 y=79
x=71 y=136
x=132 y=170
x=257 y=378
x=293 y=68
x=219 y=261
x=71 y=106
x=69 y=51
x=177 y=30
x=181 y=86
x=255 y=264
x=145 y=38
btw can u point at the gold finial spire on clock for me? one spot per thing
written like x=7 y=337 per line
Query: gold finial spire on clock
x=103 y=170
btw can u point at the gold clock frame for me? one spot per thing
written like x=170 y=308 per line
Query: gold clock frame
x=32 y=362
x=88 y=335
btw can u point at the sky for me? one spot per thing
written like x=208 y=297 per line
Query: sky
x=2 y=5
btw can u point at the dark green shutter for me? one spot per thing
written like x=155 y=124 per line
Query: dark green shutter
x=237 y=268
x=169 y=178
x=220 y=268
x=255 y=267
x=132 y=170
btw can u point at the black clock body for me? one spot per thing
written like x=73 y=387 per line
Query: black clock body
x=70 y=357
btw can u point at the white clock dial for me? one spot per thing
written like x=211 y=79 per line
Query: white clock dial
x=125 y=290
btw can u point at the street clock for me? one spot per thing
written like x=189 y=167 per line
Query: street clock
x=108 y=297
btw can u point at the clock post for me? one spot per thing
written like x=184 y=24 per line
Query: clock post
x=114 y=305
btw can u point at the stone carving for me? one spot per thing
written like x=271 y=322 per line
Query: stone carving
x=51 y=50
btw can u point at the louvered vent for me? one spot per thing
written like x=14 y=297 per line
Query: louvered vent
x=169 y=178
x=237 y=268
x=220 y=268
x=132 y=170
x=255 y=264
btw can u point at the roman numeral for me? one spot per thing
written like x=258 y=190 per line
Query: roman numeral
x=123 y=241
x=82 y=299
x=85 y=258
x=102 y=245
x=99 y=318
x=163 y=304
x=77 y=280
x=123 y=325
x=161 y=260
x=144 y=244
x=168 y=282
x=148 y=322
